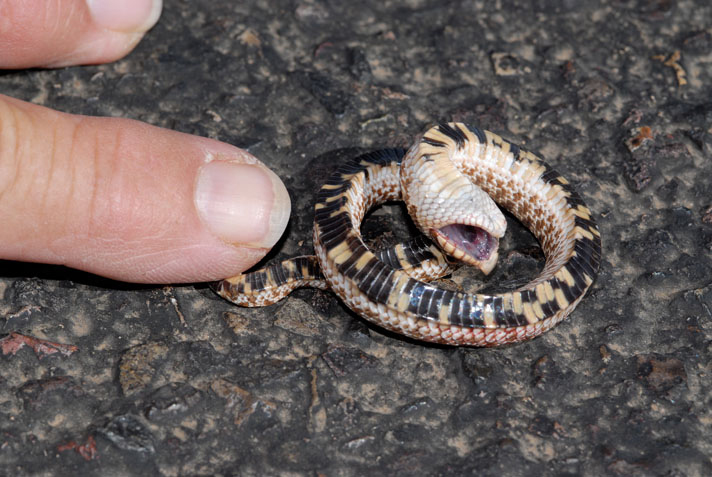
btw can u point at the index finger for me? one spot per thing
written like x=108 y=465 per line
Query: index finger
x=38 y=33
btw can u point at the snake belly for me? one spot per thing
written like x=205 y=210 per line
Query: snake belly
x=386 y=287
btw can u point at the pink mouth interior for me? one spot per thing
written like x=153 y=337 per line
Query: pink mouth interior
x=474 y=241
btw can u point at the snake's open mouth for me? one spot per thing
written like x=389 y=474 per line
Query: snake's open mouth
x=469 y=244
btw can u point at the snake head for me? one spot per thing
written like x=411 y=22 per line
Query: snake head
x=462 y=219
x=470 y=244
x=467 y=227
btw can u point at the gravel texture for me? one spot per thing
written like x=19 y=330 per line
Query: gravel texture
x=105 y=378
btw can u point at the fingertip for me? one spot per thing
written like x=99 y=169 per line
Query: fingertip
x=150 y=206
x=130 y=16
x=91 y=31
x=242 y=204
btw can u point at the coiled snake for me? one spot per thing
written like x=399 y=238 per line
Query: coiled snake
x=449 y=179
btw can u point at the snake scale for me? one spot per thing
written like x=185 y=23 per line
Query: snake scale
x=450 y=179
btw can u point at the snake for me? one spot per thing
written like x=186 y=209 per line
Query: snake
x=453 y=179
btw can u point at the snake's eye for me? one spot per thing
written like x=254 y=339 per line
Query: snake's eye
x=469 y=244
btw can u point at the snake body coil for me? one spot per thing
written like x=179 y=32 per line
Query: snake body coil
x=448 y=179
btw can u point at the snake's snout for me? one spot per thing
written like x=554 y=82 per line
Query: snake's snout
x=446 y=203
x=469 y=244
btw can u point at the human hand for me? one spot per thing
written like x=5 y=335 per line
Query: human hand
x=112 y=196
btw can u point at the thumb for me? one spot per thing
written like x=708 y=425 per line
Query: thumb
x=130 y=201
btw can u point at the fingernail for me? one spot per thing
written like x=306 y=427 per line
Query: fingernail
x=125 y=15
x=243 y=204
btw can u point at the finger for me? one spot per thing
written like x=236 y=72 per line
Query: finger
x=70 y=32
x=131 y=201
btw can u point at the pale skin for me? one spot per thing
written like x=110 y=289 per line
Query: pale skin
x=112 y=196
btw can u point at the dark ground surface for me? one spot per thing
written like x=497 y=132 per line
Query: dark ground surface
x=175 y=381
